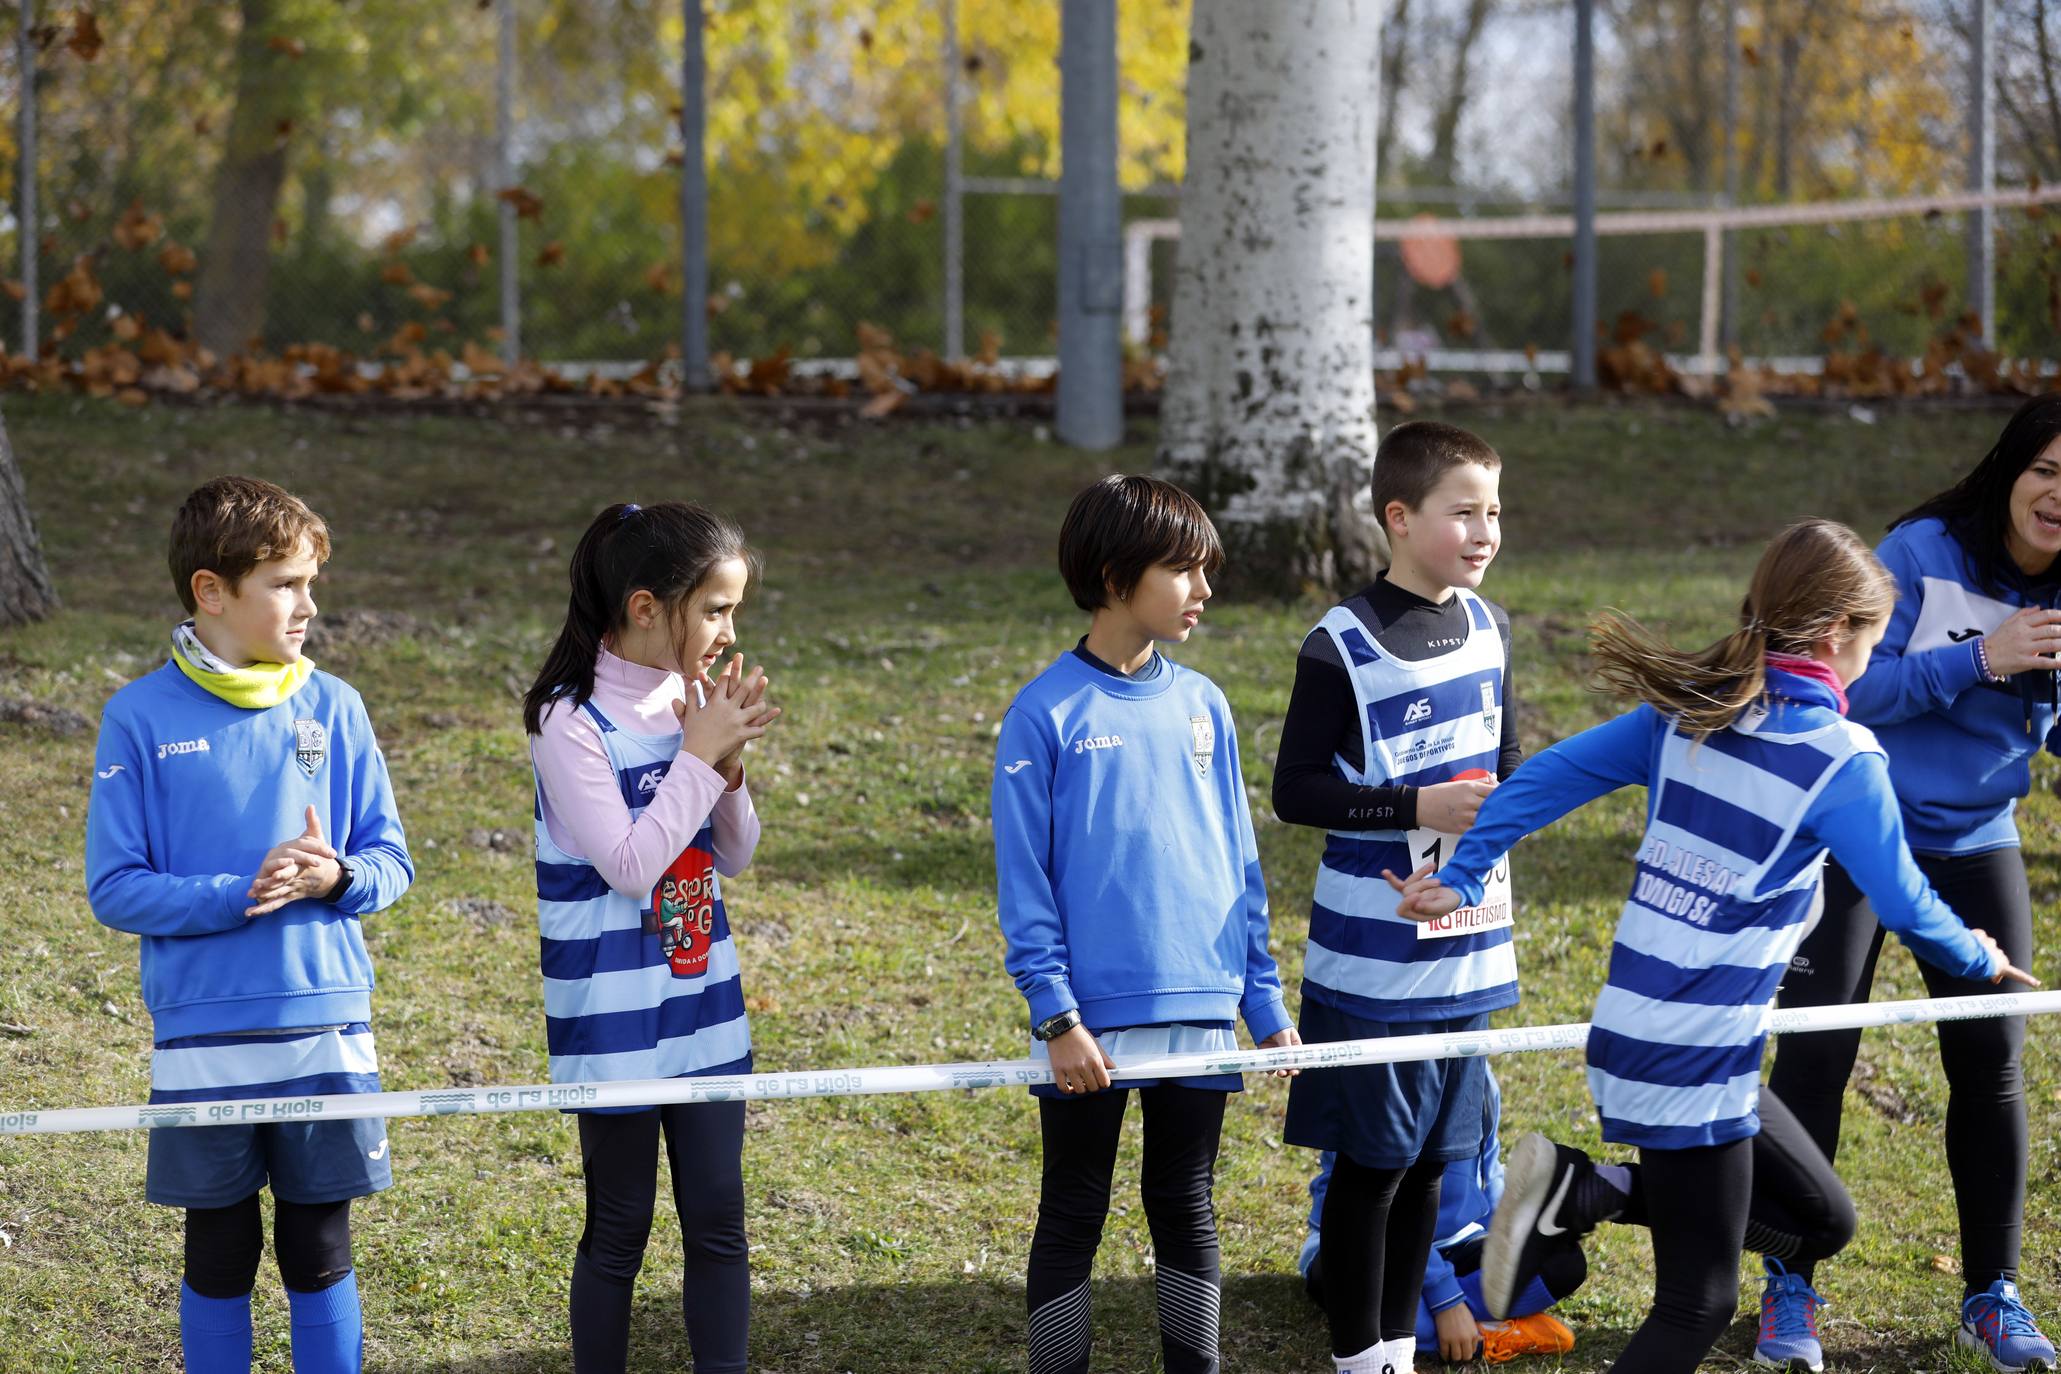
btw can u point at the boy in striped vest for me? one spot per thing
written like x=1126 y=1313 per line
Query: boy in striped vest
x=1399 y=725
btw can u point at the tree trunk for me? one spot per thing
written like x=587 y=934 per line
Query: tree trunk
x=1269 y=409
x=230 y=309
x=26 y=592
x=1445 y=126
x=1395 y=51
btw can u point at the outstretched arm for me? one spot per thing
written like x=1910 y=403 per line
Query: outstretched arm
x=1574 y=772
x=1858 y=819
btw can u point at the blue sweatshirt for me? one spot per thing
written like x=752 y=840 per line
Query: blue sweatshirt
x=1960 y=755
x=189 y=794
x=1128 y=881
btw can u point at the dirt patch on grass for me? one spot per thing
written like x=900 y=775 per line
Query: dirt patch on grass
x=40 y=716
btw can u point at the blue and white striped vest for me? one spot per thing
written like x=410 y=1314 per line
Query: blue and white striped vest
x=1675 y=1047
x=1422 y=722
x=638 y=988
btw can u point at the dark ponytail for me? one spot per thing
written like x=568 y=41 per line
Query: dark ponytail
x=668 y=550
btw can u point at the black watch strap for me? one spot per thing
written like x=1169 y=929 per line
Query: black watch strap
x=1052 y=1027
x=343 y=881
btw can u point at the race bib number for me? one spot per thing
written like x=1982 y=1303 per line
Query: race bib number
x=1434 y=847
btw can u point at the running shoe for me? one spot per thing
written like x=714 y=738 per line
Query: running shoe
x=1788 y=1321
x=1552 y=1195
x=1541 y=1333
x=1995 y=1322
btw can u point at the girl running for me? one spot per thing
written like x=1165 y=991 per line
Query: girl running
x=637 y=739
x=1961 y=692
x=1752 y=773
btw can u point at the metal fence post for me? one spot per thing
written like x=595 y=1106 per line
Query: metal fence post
x=1982 y=172
x=27 y=216
x=1091 y=399
x=504 y=159
x=694 y=373
x=955 y=192
x=1728 y=330
x=1584 y=195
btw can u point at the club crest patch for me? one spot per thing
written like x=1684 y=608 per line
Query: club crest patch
x=1202 y=733
x=1488 y=707
x=310 y=745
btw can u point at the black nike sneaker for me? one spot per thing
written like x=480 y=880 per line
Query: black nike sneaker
x=1552 y=1196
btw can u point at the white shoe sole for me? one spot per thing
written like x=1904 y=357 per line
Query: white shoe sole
x=1792 y=1364
x=1527 y=1180
x=1968 y=1340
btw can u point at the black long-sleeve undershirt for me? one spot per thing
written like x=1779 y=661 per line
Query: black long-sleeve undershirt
x=1323 y=720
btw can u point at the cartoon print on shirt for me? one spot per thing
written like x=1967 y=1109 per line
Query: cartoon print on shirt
x=682 y=911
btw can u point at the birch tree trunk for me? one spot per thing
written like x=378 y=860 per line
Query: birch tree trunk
x=1268 y=415
x=26 y=592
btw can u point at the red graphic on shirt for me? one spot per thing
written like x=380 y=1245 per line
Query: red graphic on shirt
x=682 y=911
x=1470 y=775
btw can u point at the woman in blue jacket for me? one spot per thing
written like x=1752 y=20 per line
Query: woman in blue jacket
x=1961 y=692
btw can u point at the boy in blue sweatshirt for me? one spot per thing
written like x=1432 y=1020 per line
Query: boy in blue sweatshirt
x=1131 y=899
x=1453 y=1319
x=242 y=823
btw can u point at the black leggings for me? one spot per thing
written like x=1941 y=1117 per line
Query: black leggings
x=1696 y=1202
x=224 y=1245
x=1182 y=1128
x=1797 y=1210
x=1985 y=1123
x=619 y=1152
x=1775 y=1193
x=1378 y=1225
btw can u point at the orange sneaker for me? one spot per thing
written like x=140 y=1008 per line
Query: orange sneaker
x=1539 y=1334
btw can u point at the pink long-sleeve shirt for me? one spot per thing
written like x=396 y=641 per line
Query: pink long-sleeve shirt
x=583 y=803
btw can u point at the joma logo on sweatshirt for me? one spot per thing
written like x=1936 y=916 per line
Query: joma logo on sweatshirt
x=1098 y=742
x=184 y=746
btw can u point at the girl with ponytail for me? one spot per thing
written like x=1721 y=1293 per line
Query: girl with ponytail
x=638 y=733
x=1753 y=774
x=1961 y=692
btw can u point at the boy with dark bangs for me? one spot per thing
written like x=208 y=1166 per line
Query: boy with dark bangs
x=1134 y=909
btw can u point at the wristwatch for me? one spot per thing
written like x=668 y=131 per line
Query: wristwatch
x=343 y=881
x=1052 y=1027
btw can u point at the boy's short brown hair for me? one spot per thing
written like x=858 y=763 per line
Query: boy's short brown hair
x=1120 y=526
x=232 y=524
x=1415 y=455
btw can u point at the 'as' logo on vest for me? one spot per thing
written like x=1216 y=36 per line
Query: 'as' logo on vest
x=310 y=745
x=1202 y=733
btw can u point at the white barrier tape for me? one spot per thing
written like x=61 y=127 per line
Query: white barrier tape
x=922 y=1078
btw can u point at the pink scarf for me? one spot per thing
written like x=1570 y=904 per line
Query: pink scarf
x=1812 y=669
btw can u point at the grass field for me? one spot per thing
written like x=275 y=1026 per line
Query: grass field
x=909 y=591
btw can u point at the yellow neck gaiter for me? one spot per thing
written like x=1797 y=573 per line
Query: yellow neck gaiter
x=253 y=688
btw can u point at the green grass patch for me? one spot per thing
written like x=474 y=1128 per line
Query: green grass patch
x=909 y=592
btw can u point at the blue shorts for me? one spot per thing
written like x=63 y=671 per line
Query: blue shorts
x=1387 y=1116
x=302 y=1161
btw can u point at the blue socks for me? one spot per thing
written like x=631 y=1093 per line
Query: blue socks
x=328 y=1329
x=214 y=1333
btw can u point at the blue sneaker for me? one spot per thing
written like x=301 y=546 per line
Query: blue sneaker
x=1995 y=1322
x=1788 y=1321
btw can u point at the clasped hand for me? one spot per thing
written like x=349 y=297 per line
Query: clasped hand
x=730 y=713
x=304 y=866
